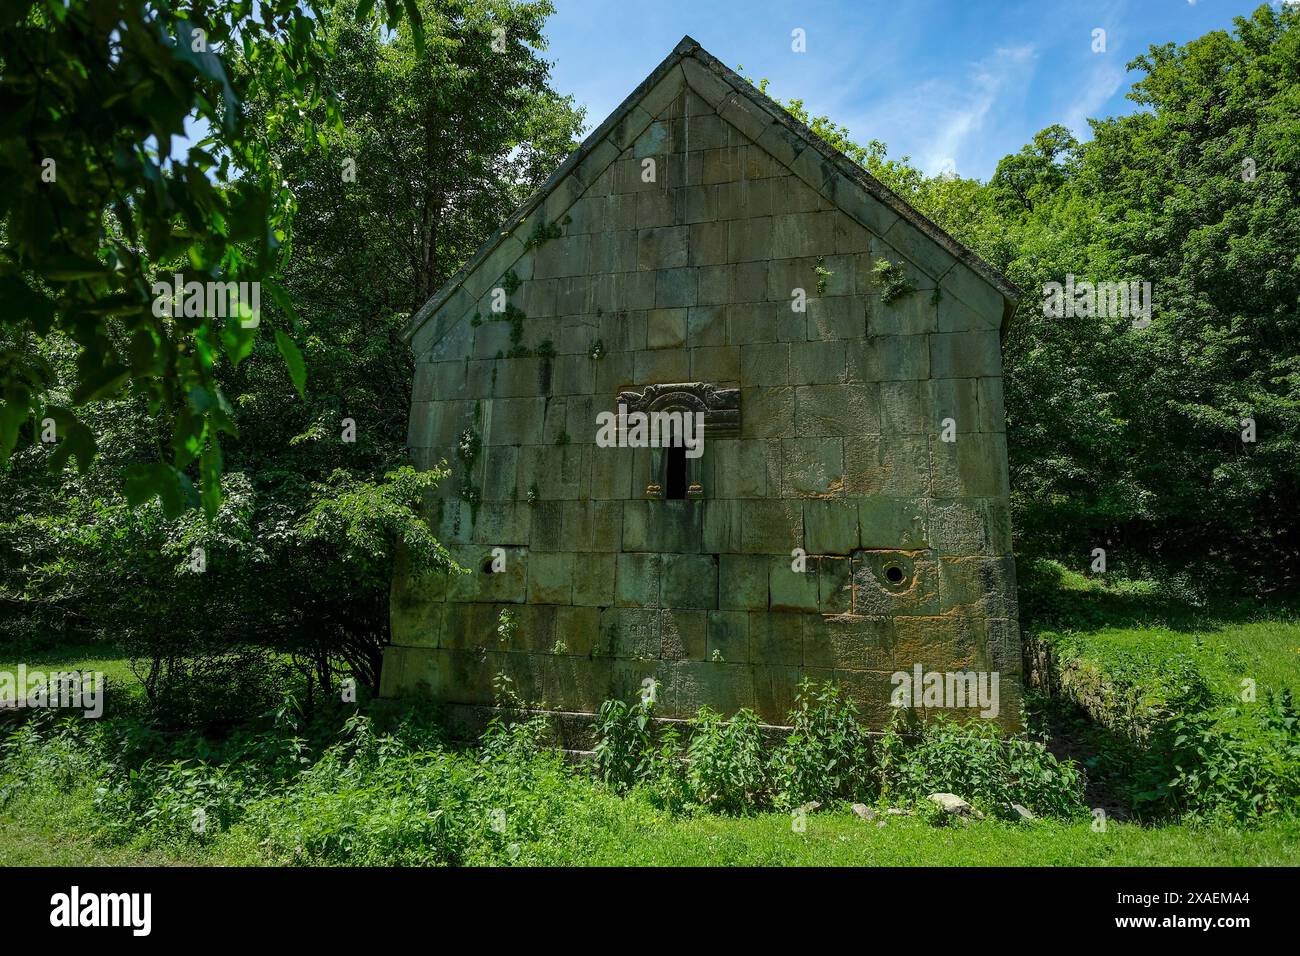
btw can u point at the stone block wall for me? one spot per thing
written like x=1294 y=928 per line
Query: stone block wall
x=840 y=452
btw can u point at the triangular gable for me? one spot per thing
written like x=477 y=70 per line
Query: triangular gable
x=843 y=182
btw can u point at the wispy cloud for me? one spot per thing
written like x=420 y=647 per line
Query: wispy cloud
x=1104 y=79
x=1104 y=74
x=1006 y=68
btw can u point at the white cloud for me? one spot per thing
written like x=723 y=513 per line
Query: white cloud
x=961 y=113
x=1104 y=79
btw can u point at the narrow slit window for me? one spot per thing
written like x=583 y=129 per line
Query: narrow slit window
x=675 y=465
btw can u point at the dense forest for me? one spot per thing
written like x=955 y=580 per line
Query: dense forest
x=220 y=499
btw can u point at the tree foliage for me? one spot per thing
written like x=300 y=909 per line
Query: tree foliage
x=444 y=135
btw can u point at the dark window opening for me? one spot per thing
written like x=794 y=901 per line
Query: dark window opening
x=487 y=566
x=675 y=480
x=894 y=574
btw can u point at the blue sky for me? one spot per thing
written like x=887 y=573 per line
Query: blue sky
x=955 y=85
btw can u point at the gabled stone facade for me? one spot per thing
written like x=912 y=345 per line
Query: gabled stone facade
x=865 y=431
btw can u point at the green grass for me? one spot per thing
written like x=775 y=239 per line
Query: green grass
x=1130 y=633
x=1186 y=706
x=1267 y=652
x=843 y=840
x=59 y=830
x=80 y=657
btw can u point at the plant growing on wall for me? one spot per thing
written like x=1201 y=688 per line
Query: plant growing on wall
x=893 y=281
x=543 y=232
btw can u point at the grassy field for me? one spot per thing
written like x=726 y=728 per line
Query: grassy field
x=81 y=657
x=577 y=821
x=61 y=830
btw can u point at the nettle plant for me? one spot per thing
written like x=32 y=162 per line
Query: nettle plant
x=726 y=767
x=827 y=755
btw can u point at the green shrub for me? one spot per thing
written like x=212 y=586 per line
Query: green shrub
x=827 y=755
x=974 y=761
x=624 y=743
x=1235 y=764
x=726 y=767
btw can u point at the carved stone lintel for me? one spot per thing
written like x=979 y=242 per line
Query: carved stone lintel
x=721 y=406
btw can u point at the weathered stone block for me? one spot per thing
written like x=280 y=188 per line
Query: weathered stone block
x=897 y=466
x=550 y=577
x=962 y=282
x=513 y=421
x=503 y=523
x=902 y=411
x=664 y=526
x=849 y=642
x=719 y=364
x=839 y=317
x=689 y=581
x=666 y=328
x=663 y=248
x=708 y=243
x=928 y=255
x=830 y=527
x=790 y=589
x=483 y=584
x=684 y=634
x=725 y=687
x=992 y=414
x=611 y=473
x=593 y=579
x=767 y=412
x=839 y=410
x=742 y=581
x=630 y=633
x=753 y=323
x=713 y=285
x=892 y=523
x=965 y=354
x=895 y=583
x=662 y=366
x=776 y=637
x=706 y=326
x=699 y=204
x=675 y=287
x=576 y=630
x=416 y=615
x=769 y=527
x=775 y=689
x=971 y=526
x=750 y=239
x=765 y=364
x=745 y=199
x=814 y=363
x=980 y=586
x=834 y=585
x=972 y=466
x=888 y=358
x=657 y=208
x=812 y=467
x=728 y=637
x=913 y=314
x=739 y=468
x=956 y=399
x=871 y=691
x=637 y=580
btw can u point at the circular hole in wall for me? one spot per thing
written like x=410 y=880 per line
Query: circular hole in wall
x=487 y=567
x=894 y=574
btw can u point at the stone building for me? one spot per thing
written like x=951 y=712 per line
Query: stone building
x=704 y=252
